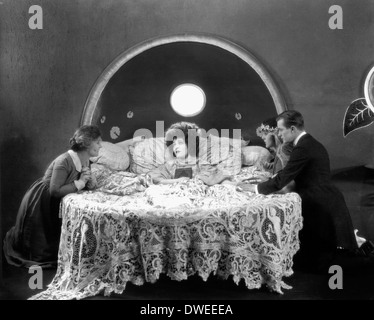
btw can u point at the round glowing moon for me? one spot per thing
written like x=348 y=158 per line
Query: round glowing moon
x=188 y=100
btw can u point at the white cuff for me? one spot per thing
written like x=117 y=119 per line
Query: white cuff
x=79 y=184
x=256 y=188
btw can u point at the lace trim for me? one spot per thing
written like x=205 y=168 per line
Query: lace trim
x=109 y=240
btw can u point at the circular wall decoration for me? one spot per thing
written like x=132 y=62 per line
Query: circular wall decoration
x=369 y=89
x=188 y=100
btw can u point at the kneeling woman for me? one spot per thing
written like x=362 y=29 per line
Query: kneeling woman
x=184 y=164
x=34 y=239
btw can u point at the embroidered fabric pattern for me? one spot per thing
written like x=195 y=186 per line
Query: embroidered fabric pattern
x=109 y=240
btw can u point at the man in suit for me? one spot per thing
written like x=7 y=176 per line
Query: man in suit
x=327 y=225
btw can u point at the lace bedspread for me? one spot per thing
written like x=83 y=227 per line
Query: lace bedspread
x=113 y=236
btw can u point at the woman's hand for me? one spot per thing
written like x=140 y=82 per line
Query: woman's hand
x=214 y=178
x=254 y=180
x=85 y=174
x=268 y=165
x=182 y=179
x=230 y=182
x=86 y=170
x=246 y=187
x=88 y=178
x=171 y=181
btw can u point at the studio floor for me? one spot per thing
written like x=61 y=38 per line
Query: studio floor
x=306 y=286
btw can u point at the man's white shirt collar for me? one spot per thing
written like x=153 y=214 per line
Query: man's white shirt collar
x=76 y=160
x=298 y=138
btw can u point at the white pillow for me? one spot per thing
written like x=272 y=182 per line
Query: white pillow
x=112 y=156
x=255 y=156
x=128 y=143
x=221 y=152
x=148 y=154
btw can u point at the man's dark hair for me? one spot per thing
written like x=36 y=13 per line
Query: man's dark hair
x=292 y=118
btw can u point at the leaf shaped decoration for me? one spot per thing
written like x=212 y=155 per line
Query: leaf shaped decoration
x=357 y=115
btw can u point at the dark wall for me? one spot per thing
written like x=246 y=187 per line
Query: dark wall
x=236 y=96
x=46 y=75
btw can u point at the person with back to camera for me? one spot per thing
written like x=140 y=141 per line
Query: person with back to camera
x=327 y=236
x=34 y=239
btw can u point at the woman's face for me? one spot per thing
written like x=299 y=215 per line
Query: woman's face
x=269 y=140
x=180 y=148
x=95 y=146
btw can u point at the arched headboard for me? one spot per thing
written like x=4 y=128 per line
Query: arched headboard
x=165 y=57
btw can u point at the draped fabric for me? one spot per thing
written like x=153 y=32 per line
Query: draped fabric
x=108 y=240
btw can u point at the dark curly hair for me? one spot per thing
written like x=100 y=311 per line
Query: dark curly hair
x=183 y=130
x=83 y=137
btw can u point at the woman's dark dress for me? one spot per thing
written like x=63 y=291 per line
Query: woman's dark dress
x=34 y=239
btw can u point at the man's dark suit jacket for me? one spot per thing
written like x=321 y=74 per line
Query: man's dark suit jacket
x=326 y=220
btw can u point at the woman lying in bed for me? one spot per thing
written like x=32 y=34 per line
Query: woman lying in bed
x=184 y=164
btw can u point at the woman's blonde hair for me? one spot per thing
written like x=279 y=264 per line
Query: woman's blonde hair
x=266 y=127
x=275 y=139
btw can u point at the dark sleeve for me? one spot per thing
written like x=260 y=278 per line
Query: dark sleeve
x=58 y=185
x=298 y=159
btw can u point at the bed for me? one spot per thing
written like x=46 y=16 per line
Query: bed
x=128 y=231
